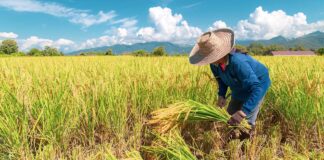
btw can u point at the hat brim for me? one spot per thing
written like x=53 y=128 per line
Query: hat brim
x=227 y=45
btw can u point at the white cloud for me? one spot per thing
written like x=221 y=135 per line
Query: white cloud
x=146 y=33
x=63 y=42
x=163 y=19
x=171 y=27
x=129 y=23
x=77 y=16
x=265 y=25
x=126 y=22
x=168 y=27
x=217 y=25
x=191 y=5
x=36 y=42
x=89 y=20
x=98 y=42
x=127 y=27
x=122 y=32
x=6 y=35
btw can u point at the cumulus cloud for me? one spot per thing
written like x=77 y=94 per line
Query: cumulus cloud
x=63 y=42
x=101 y=41
x=265 y=25
x=122 y=32
x=125 y=33
x=77 y=16
x=168 y=27
x=8 y=35
x=36 y=42
x=217 y=25
x=146 y=33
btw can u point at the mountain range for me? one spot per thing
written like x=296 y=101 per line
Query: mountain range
x=147 y=46
x=313 y=40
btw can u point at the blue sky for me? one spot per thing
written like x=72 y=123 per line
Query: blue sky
x=77 y=24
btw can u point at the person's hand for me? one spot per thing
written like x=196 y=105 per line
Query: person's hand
x=236 y=118
x=221 y=102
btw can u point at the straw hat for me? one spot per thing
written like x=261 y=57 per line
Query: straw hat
x=212 y=46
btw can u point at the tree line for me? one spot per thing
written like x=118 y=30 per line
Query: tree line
x=256 y=48
x=158 y=51
x=10 y=47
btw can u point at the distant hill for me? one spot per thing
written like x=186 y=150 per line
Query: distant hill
x=313 y=40
x=148 y=46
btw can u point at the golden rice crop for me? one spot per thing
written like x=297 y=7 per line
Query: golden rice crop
x=68 y=107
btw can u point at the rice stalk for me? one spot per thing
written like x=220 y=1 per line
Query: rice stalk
x=133 y=155
x=170 y=146
x=189 y=111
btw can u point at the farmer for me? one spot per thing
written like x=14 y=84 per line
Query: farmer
x=247 y=78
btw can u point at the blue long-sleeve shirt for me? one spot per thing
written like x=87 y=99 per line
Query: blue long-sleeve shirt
x=247 y=78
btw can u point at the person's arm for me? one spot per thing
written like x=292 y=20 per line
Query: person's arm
x=250 y=81
x=222 y=87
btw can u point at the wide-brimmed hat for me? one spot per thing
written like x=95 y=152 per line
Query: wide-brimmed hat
x=212 y=46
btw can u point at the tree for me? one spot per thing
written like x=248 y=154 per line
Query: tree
x=109 y=52
x=139 y=53
x=241 y=48
x=34 y=52
x=273 y=47
x=18 y=54
x=49 y=51
x=320 y=51
x=299 y=47
x=9 y=46
x=256 y=48
x=159 y=51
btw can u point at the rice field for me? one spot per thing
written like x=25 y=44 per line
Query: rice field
x=98 y=107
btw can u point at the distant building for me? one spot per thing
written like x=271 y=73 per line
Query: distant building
x=292 y=53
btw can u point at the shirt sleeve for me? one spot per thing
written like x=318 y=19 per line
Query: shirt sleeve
x=222 y=87
x=251 y=82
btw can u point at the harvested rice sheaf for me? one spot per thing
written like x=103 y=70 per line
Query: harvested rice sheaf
x=177 y=114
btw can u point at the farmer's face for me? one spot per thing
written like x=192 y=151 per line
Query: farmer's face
x=222 y=60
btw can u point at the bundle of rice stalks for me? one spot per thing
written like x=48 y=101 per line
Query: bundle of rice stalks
x=170 y=146
x=190 y=111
